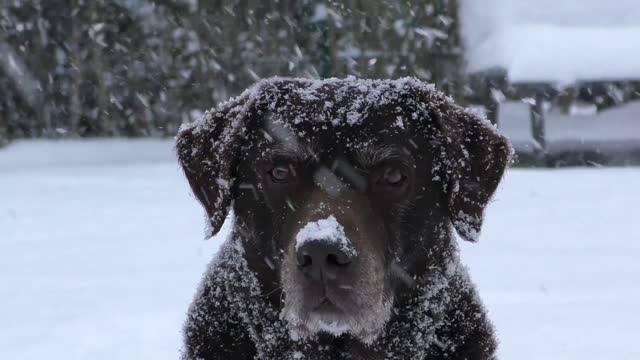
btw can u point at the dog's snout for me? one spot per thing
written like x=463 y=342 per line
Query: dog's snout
x=322 y=259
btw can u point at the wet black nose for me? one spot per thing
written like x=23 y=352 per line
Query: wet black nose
x=323 y=260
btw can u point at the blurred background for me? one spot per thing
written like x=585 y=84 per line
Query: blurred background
x=100 y=238
x=560 y=77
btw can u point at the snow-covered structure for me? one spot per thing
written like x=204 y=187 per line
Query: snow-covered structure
x=560 y=41
x=558 y=51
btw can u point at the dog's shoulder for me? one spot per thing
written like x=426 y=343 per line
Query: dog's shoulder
x=213 y=329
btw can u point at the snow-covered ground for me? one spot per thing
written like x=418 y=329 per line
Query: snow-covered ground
x=101 y=250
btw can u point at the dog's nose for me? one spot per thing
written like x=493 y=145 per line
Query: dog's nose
x=322 y=260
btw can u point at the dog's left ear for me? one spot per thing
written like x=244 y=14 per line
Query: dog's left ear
x=475 y=158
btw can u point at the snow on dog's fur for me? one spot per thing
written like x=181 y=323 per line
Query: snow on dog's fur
x=345 y=195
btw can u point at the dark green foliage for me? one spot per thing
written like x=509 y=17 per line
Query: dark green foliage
x=142 y=67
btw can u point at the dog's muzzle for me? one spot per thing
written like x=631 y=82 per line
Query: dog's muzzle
x=323 y=251
x=321 y=260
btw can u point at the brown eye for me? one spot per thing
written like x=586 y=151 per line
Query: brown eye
x=280 y=174
x=393 y=177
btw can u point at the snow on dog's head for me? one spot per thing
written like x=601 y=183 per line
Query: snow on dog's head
x=344 y=190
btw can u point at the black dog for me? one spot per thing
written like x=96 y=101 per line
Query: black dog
x=345 y=194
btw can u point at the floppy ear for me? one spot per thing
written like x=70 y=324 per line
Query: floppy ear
x=476 y=157
x=208 y=151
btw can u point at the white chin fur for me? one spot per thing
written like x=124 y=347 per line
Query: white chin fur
x=331 y=324
x=328 y=323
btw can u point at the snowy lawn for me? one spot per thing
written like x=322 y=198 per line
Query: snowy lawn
x=101 y=251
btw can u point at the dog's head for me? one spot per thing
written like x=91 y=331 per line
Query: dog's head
x=344 y=190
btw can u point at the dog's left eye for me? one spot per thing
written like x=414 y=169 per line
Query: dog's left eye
x=280 y=174
x=393 y=176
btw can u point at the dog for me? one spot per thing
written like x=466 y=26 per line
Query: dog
x=345 y=195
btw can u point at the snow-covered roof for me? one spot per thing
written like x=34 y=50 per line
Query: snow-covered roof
x=553 y=40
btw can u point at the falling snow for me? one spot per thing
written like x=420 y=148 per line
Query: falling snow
x=100 y=246
x=109 y=299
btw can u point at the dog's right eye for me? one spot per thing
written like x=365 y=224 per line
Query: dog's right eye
x=280 y=174
x=393 y=177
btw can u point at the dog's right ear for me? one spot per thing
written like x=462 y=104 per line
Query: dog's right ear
x=208 y=151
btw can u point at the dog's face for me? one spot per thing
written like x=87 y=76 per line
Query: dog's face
x=336 y=200
x=343 y=201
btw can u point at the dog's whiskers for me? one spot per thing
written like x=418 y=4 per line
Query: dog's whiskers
x=274 y=290
x=269 y=263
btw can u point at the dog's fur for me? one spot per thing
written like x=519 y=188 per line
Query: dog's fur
x=405 y=295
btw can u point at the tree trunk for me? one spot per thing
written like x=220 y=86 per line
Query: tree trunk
x=75 y=104
x=103 y=120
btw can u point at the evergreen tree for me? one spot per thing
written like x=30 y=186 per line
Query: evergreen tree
x=142 y=67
